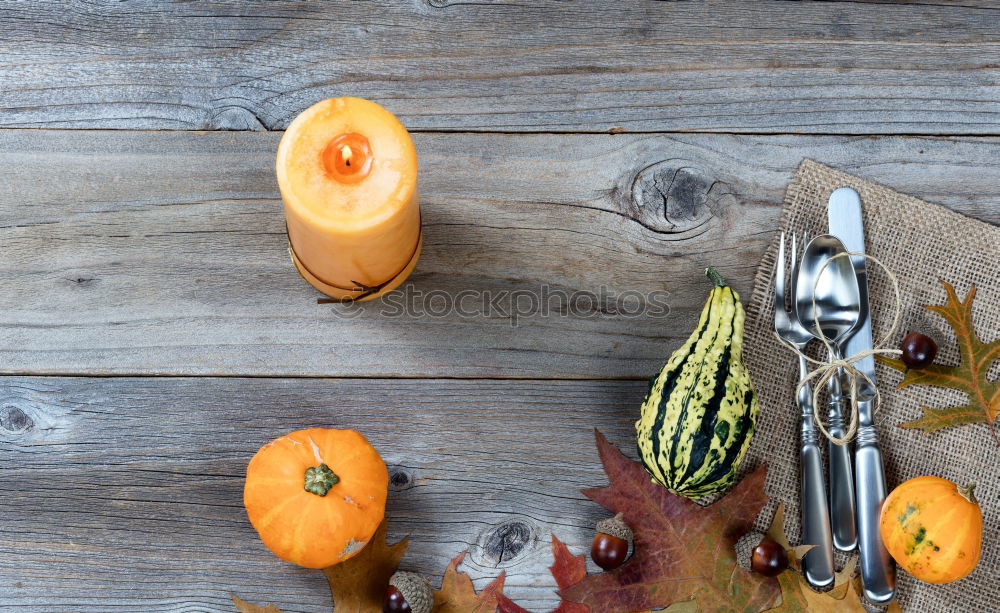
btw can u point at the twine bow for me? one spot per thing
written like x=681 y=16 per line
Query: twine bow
x=828 y=369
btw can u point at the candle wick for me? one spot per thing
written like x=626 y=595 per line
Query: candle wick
x=347 y=154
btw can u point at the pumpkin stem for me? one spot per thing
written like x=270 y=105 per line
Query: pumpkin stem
x=319 y=479
x=714 y=275
x=966 y=492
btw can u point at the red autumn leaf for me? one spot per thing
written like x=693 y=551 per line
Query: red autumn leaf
x=567 y=570
x=683 y=552
x=457 y=595
x=969 y=377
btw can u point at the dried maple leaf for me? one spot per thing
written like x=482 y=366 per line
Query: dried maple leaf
x=567 y=570
x=798 y=597
x=457 y=595
x=969 y=377
x=683 y=552
x=358 y=583
x=777 y=532
x=246 y=607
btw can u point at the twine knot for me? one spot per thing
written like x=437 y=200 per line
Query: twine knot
x=825 y=370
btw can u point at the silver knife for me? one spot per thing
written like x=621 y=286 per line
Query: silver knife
x=878 y=572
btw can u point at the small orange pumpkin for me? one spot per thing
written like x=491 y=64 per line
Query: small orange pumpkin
x=933 y=528
x=316 y=496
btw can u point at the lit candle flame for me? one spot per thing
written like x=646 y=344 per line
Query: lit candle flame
x=347 y=153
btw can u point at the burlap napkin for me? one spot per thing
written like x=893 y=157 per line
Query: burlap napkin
x=921 y=243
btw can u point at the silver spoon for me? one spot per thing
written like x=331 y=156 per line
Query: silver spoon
x=838 y=312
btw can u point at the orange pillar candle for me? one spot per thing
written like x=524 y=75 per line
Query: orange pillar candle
x=347 y=170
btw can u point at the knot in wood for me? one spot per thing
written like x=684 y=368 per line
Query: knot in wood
x=507 y=541
x=399 y=479
x=671 y=197
x=234 y=117
x=14 y=420
x=81 y=280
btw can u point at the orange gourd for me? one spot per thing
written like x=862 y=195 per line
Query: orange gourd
x=933 y=529
x=316 y=496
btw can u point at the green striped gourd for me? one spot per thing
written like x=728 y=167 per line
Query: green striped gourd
x=701 y=409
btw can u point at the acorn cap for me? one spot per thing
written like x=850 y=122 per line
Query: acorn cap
x=615 y=526
x=414 y=589
x=745 y=546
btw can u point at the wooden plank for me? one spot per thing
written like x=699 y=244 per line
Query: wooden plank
x=125 y=494
x=164 y=253
x=816 y=67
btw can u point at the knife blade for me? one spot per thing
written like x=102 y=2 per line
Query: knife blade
x=878 y=571
x=844 y=214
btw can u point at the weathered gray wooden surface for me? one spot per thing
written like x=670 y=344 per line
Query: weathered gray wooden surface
x=164 y=252
x=818 y=67
x=125 y=494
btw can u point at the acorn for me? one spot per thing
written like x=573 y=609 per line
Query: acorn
x=769 y=558
x=762 y=554
x=611 y=543
x=919 y=350
x=407 y=593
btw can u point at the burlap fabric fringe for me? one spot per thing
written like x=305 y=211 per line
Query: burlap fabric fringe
x=828 y=369
x=921 y=243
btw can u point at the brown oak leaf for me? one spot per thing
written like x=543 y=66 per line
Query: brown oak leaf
x=457 y=595
x=683 y=552
x=969 y=377
x=357 y=584
x=567 y=570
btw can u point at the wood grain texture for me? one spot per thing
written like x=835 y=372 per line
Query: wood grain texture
x=125 y=494
x=816 y=67
x=165 y=253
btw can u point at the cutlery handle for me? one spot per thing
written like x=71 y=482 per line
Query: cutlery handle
x=845 y=536
x=878 y=572
x=818 y=561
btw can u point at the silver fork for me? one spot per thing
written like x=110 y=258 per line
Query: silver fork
x=818 y=562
